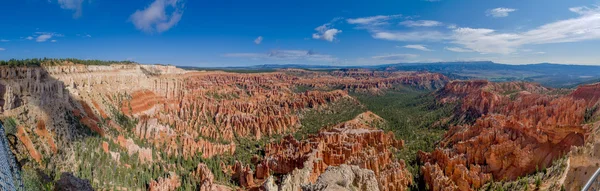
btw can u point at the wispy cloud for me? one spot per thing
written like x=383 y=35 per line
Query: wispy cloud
x=4 y=40
x=285 y=55
x=75 y=5
x=409 y=36
x=156 y=18
x=43 y=36
x=373 y=20
x=586 y=26
x=258 y=40
x=396 y=57
x=583 y=10
x=417 y=47
x=499 y=12
x=2 y=49
x=421 y=23
x=84 y=35
x=376 y=25
x=458 y=49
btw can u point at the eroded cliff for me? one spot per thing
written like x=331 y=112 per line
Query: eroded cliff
x=517 y=131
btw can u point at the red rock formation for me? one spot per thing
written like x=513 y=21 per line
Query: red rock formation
x=165 y=138
x=100 y=110
x=188 y=114
x=141 y=101
x=512 y=138
x=204 y=177
x=105 y=147
x=590 y=93
x=170 y=183
x=89 y=122
x=88 y=111
x=480 y=97
x=43 y=132
x=24 y=138
x=371 y=81
x=353 y=143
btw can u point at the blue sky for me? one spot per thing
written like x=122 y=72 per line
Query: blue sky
x=336 y=32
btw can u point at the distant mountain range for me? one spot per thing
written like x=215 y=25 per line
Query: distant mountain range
x=552 y=75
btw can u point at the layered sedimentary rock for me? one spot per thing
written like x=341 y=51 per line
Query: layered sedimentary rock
x=148 y=110
x=590 y=93
x=352 y=143
x=478 y=97
x=515 y=134
x=369 y=81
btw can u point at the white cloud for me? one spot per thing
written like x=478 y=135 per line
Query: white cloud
x=155 y=17
x=417 y=47
x=421 y=23
x=258 y=40
x=2 y=49
x=325 y=32
x=409 y=36
x=43 y=38
x=285 y=55
x=373 y=20
x=485 y=40
x=396 y=57
x=584 y=27
x=72 y=5
x=584 y=10
x=457 y=49
x=4 y=40
x=499 y=12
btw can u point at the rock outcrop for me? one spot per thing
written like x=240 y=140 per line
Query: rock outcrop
x=515 y=134
x=148 y=110
x=68 y=182
x=170 y=183
x=205 y=179
x=345 y=177
x=370 y=81
x=352 y=143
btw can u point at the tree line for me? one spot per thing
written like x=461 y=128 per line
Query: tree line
x=57 y=61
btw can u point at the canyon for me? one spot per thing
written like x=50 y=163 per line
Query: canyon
x=213 y=130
